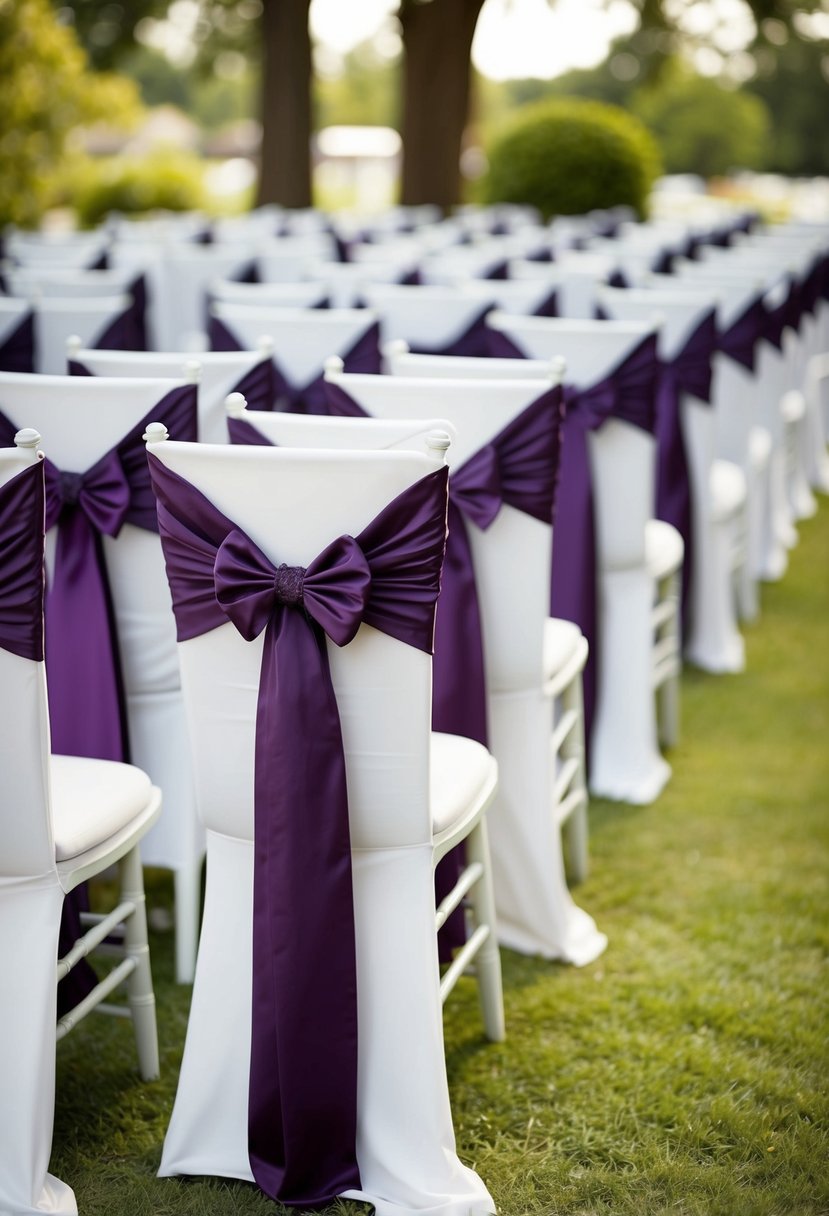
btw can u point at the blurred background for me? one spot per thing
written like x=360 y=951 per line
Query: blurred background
x=223 y=104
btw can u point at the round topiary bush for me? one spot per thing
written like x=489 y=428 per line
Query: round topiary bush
x=569 y=156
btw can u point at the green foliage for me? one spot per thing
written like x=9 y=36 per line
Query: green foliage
x=793 y=84
x=703 y=127
x=162 y=181
x=363 y=93
x=45 y=91
x=569 y=156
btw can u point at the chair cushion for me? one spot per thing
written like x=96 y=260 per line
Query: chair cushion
x=460 y=770
x=92 y=800
x=561 y=640
x=664 y=548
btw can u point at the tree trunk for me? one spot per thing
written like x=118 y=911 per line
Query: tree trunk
x=437 y=40
x=285 y=171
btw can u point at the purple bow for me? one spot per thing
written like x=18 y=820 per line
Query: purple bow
x=128 y=330
x=688 y=372
x=85 y=694
x=362 y=357
x=21 y=567
x=303 y=1068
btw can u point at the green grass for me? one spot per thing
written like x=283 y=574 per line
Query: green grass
x=686 y=1071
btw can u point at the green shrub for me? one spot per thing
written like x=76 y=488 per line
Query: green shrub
x=569 y=156
x=164 y=181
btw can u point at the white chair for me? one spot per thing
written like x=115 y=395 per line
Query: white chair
x=69 y=250
x=439 y=320
x=403 y=809
x=86 y=419
x=302 y=339
x=217 y=373
x=183 y=279
x=532 y=664
x=57 y=319
x=631 y=557
x=62 y=820
x=271 y=295
x=575 y=277
x=718 y=489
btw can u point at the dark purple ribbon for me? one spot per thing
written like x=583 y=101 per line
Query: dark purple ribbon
x=363 y=357
x=21 y=563
x=303 y=1069
x=128 y=330
x=85 y=697
x=628 y=393
x=547 y=308
x=17 y=353
x=688 y=372
x=740 y=340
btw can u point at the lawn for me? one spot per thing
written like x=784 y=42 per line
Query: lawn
x=686 y=1071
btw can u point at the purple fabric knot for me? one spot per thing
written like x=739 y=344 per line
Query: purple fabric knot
x=289 y=583
x=69 y=487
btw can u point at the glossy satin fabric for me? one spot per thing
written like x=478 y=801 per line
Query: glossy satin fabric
x=363 y=357
x=128 y=331
x=627 y=393
x=86 y=707
x=688 y=372
x=303 y=1067
x=17 y=352
x=22 y=523
x=739 y=340
x=518 y=467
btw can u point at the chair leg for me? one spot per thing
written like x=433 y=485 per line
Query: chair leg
x=667 y=697
x=488 y=958
x=187 y=893
x=140 y=993
x=575 y=829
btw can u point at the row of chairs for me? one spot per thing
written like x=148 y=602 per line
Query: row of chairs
x=520 y=710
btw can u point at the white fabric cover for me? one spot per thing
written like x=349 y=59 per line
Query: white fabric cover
x=459 y=771
x=83 y=418
x=625 y=760
x=405 y=1147
x=12 y=313
x=57 y=319
x=218 y=374
x=422 y=316
x=512 y=571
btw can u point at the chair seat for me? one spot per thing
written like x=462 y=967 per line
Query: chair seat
x=461 y=773
x=728 y=489
x=92 y=800
x=562 y=640
x=664 y=548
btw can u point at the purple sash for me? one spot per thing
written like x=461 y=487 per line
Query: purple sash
x=17 y=353
x=128 y=330
x=85 y=696
x=303 y=1069
x=363 y=357
x=740 y=340
x=627 y=393
x=688 y=372
x=21 y=568
x=547 y=308
x=518 y=467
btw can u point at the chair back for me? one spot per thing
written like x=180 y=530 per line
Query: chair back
x=622 y=456
x=292 y=503
x=217 y=374
x=38 y=281
x=399 y=361
x=26 y=843
x=430 y=318
x=270 y=295
x=58 y=318
x=303 y=338
x=512 y=558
